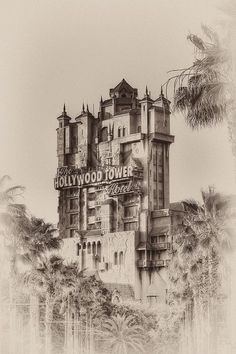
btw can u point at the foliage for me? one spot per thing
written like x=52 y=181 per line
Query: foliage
x=201 y=90
x=166 y=336
x=198 y=249
x=123 y=335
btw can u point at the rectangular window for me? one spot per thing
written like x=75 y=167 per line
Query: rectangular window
x=160 y=154
x=73 y=219
x=73 y=204
x=129 y=226
x=154 y=155
x=130 y=211
x=72 y=192
x=154 y=239
x=154 y=175
x=162 y=238
x=72 y=233
x=161 y=198
x=67 y=137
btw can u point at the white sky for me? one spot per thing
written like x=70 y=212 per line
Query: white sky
x=53 y=51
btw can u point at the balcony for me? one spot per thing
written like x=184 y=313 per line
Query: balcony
x=161 y=246
x=91 y=204
x=158 y=263
x=143 y=263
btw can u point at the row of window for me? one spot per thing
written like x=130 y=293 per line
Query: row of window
x=118 y=258
x=91 y=248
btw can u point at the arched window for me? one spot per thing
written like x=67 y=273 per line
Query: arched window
x=115 y=258
x=139 y=129
x=94 y=248
x=89 y=248
x=121 y=258
x=78 y=249
x=119 y=132
x=124 y=131
x=99 y=250
x=104 y=134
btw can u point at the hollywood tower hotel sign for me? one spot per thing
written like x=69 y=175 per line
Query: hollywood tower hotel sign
x=113 y=191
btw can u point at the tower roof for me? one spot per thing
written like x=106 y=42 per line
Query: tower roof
x=162 y=101
x=64 y=114
x=123 y=85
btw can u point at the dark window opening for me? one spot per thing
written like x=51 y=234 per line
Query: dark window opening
x=121 y=258
x=78 y=249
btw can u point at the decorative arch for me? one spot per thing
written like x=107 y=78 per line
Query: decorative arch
x=99 y=249
x=121 y=258
x=89 y=248
x=115 y=258
x=104 y=134
x=94 y=248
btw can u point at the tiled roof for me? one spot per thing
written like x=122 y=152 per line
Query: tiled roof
x=126 y=290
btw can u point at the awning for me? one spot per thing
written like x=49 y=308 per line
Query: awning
x=161 y=230
x=143 y=246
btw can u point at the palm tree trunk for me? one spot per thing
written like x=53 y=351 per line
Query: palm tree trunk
x=48 y=323
x=34 y=324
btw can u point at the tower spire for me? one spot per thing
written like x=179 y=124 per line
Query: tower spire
x=87 y=108
x=64 y=108
x=83 y=108
x=162 y=91
x=146 y=90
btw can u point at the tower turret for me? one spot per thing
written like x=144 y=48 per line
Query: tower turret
x=146 y=103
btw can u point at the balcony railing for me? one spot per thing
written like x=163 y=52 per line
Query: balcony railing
x=91 y=219
x=161 y=246
x=143 y=263
x=158 y=263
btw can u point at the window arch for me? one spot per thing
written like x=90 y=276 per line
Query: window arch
x=94 y=248
x=121 y=258
x=124 y=131
x=78 y=249
x=115 y=258
x=119 y=132
x=104 y=134
x=89 y=248
x=99 y=249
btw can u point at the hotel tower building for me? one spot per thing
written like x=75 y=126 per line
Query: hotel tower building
x=113 y=192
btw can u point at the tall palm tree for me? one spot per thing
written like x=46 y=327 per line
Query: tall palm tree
x=123 y=335
x=199 y=245
x=47 y=278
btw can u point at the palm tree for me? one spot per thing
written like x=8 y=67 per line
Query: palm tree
x=201 y=90
x=123 y=335
x=205 y=91
x=199 y=245
x=46 y=279
x=40 y=238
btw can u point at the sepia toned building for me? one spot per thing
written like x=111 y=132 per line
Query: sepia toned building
x=113 y=191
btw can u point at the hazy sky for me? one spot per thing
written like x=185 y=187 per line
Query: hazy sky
x=53 y=51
